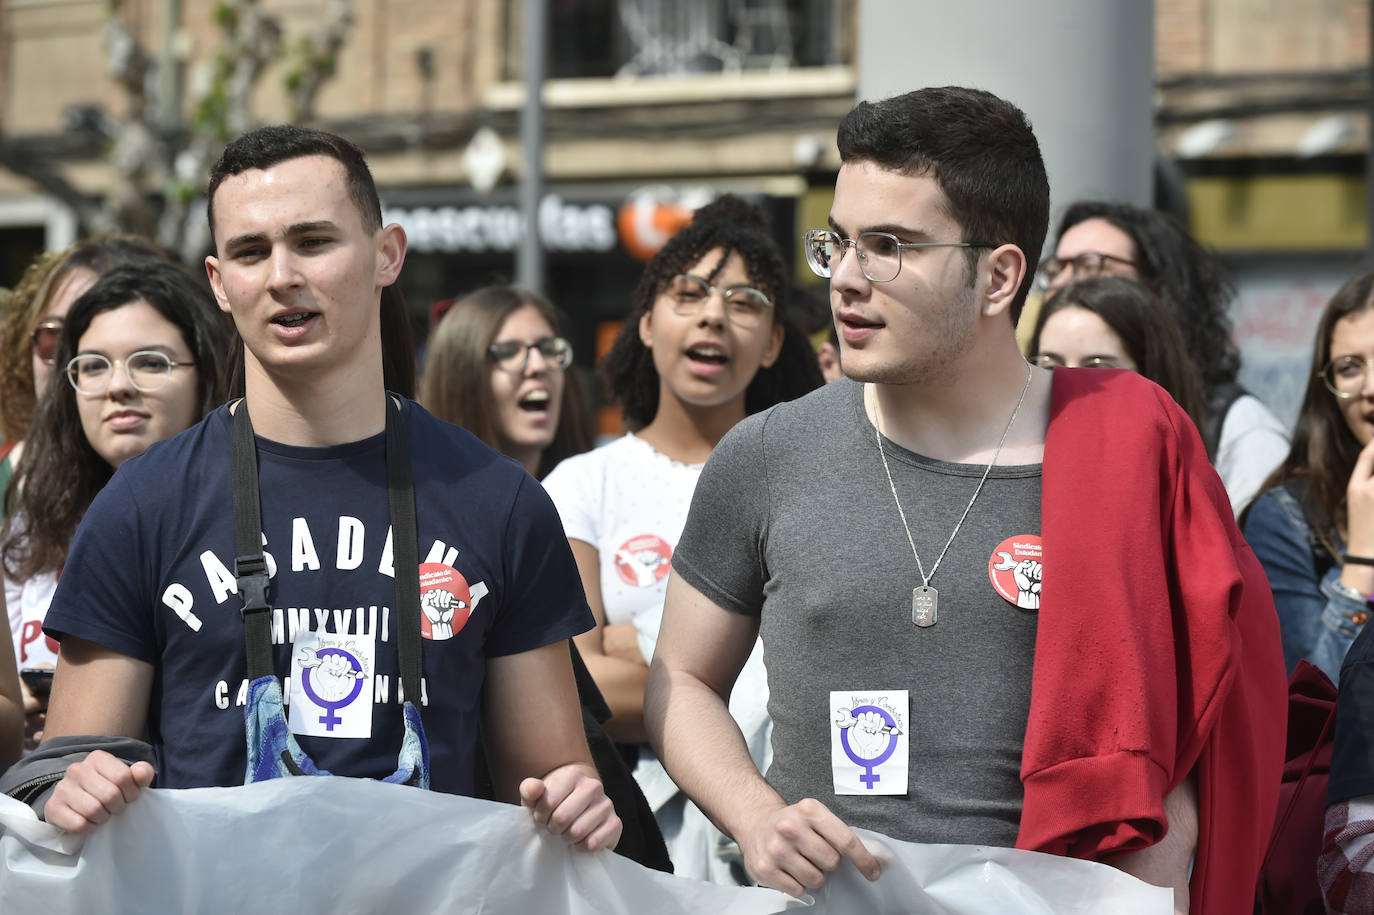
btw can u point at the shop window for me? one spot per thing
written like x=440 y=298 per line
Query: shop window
x=19 y=245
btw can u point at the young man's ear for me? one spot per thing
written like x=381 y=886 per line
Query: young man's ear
x=391 y=253
x=216 y=282
x=1006 y=268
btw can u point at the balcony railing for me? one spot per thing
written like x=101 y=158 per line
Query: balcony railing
x=649 y=38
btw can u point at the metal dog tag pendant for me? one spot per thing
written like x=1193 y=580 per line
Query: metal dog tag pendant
x=924 y=602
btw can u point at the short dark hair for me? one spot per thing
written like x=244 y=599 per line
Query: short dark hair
x=981 y=151
x=734 y=226
x=60 y=473
x=1188 y=277
x=268 y=146
x=1147 y=329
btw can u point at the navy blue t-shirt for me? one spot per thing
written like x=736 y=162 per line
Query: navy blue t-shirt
x=150 y=575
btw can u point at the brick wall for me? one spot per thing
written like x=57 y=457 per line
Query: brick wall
x=55 y=59
x=1250 y=36
x=1246 y=36
x=1180 y=37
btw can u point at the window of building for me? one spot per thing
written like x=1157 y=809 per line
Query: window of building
x=645 y=38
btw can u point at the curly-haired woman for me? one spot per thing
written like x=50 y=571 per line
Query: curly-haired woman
x=707 y=342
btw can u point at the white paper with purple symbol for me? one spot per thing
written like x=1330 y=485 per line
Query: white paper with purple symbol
x=331 y=684
x=869 y=749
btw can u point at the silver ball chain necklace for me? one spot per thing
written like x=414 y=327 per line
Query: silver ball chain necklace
x=925 y=600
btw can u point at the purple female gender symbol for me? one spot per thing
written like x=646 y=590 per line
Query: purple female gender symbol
x=870 y=778
x=329 y=718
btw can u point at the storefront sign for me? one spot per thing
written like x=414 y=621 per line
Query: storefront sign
x=498 y=227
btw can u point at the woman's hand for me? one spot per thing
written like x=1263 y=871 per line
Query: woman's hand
x=1359 y=493
x=1359 y=538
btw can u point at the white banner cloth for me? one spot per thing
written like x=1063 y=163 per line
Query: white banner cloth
x=342 y=845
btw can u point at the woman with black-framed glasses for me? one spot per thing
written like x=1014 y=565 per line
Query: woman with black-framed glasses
x=498 y=365
x=1312 y=527
x=1244 y=439
x=140 y=359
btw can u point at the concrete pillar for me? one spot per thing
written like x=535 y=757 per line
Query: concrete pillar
x=60 y=227
x=1082 y=70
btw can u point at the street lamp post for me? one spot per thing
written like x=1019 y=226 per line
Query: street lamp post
x=529 y=265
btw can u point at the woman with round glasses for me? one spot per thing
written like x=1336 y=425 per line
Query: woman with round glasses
x=28 y=337
x=141 y=358
x=707 y=343
x=1244 y=439
x=497 y=365
x=1313 y=526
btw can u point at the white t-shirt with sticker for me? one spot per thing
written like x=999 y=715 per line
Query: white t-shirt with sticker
x=630 y=502
x=28 y=605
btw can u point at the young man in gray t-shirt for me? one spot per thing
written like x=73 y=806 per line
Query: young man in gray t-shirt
x=883 y=535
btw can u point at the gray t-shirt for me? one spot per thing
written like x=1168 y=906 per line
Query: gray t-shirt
x=793 y=521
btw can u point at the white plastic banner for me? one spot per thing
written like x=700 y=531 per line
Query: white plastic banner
x=979 y=880
x=341 y=845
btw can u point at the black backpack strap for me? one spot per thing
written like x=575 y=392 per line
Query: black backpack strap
x=250 y=565
x=405 y=551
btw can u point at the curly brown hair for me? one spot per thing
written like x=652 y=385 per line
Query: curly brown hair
x=734 y=226
x=1189 y=278
x=29 y=303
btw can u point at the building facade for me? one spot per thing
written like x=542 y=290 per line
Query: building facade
x=655 y=106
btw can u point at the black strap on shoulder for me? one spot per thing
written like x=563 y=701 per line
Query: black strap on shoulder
x=250 y=565
x=405 y=551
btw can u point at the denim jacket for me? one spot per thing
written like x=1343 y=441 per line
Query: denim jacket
x=1317 y=622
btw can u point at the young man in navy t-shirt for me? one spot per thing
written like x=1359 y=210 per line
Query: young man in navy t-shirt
x=148 y=612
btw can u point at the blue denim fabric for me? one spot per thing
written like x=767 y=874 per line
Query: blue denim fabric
x=269 y=738
x=268 y=735
x=1317 y=622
